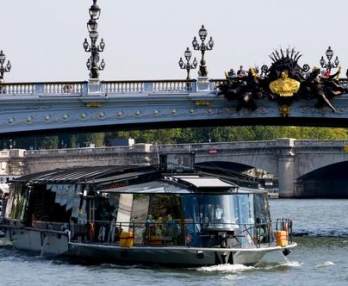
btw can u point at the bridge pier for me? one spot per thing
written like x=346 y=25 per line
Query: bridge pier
x=286 y=168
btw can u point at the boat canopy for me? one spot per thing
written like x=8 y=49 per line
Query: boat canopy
x=153 y=187
x=205 y=182
x=88 y=175
x=131 y=179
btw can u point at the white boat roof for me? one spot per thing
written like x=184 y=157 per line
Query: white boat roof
x=4 y=188
x=205 y=182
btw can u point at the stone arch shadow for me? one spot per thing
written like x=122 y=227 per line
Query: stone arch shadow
x=234 y=170
x=330 y=181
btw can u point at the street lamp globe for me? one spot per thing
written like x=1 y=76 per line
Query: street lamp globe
x=89 y=64
x=195 y=63
x=92 y=25
x=2 y=57
x=329 y=54
x=195 y=43
x=203 y=33
x=211 y=43
x=102 y=65
x=8 y=66
x=188 y=54
x=85 y=45
x=337 y=62
x=181 y=63
x=102 y=45
x=322 y=62
x=94 y=11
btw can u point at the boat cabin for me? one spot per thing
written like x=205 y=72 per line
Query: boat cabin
x=141 y=206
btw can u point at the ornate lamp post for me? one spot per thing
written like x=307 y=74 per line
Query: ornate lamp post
x=329 y=65
x=4 y=67
x=203 y=47
x=188 y=66
x=93 y=64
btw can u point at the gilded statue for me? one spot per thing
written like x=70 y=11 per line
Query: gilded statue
x=285 y=86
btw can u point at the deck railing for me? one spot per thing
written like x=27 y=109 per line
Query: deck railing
x=179 y=233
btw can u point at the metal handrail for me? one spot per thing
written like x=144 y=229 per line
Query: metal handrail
x=260 y=234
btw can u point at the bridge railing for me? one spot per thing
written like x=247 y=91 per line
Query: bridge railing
x=109 y=87
x=166 y=86
x=44 y=88
x=142 y=148
x=105 y=87
x=216 y=146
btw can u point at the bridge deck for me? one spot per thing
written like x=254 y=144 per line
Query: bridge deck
x=43 y=107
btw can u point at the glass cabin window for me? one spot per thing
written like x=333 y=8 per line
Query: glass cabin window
x=261 y=208
x=163 y=224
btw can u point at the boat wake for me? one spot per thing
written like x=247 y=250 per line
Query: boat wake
x=226 y=268
x=238 y=268
x=325 y=264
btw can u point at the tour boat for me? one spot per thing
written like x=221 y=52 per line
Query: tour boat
x=168 y=215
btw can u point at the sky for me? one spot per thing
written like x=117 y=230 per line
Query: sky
x=145 y=38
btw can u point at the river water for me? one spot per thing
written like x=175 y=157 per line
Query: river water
x=321 y=258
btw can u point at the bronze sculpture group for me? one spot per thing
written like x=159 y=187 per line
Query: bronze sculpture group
x=284 y=81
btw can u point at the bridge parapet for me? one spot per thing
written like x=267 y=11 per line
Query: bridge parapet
x=235 y=146
x=321 y=143
x=103 y=87
x=44 y=88
x=137 y=148
x=170 y=86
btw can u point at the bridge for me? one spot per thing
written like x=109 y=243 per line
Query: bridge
x=256 y=97
x=304 y=168
x=48 y=107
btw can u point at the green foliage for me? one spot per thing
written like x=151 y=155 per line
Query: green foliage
x=178 y=136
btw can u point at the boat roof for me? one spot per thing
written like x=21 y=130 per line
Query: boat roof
x=132 y=179
x=205 y=182
x=90 y=175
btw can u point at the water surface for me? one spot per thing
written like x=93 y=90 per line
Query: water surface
x=321 y=258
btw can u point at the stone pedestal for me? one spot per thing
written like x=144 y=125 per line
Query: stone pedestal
x=94 y=87
x=203 y=84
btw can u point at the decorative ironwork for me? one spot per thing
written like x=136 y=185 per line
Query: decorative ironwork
x=203 y=48
x=188 y=66
x=4 y=67
x=95 y=49
x=285 y=81
x=329 y=64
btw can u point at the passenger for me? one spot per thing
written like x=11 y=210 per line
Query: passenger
x=261 y=233
x=150 y=228
x=103 y=217
x=159 y=227
x=172 y=230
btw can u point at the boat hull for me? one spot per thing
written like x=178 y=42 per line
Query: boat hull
x=171 y=256
x=55 y=244
x=43 y=242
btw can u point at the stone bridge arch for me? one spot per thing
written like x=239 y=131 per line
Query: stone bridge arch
x=314 y=161
x=267 y=162
x=329 y=181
